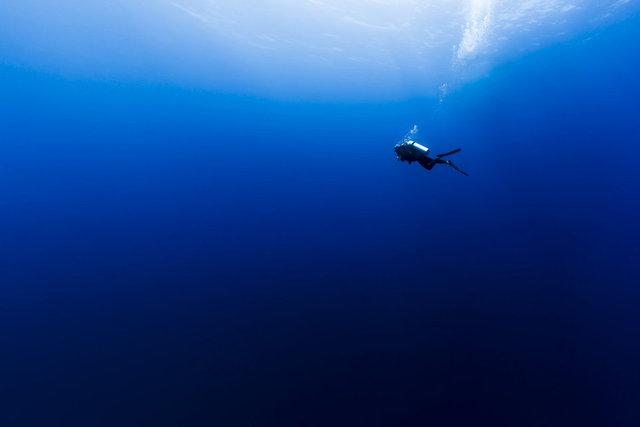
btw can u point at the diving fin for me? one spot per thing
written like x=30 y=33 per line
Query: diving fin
x=449 y=153
x=453 y=165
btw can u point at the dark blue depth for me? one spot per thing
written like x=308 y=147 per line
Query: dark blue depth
x=174 y=257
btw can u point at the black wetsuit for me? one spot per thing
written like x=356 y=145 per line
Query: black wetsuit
x=410 y=151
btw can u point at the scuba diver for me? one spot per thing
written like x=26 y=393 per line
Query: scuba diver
x=410 y=151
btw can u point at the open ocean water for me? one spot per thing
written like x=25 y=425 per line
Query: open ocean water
x=186 y=257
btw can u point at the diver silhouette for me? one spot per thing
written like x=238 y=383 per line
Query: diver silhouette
x=410 y=151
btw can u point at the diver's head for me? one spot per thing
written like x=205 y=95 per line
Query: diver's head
x=398 y=150
x=402 y=151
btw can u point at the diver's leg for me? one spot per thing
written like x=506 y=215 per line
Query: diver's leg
x=427 y=164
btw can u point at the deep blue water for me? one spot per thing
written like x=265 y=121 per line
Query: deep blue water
x=180 y=257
